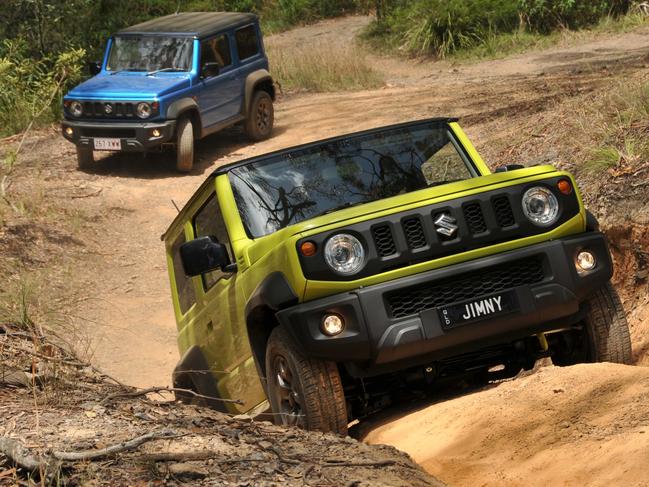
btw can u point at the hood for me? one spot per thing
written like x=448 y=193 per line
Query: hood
x=130 y=86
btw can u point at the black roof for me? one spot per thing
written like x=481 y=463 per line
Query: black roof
x=199 y=24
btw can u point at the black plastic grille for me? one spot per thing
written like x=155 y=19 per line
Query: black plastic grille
x=410 y=301
x=504 y=213
x=117 y=132
x=97 y=109
x=474 y=218
x=414 y=231
x=383 y=240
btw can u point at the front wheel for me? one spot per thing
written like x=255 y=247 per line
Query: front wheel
x=261 y=116
x=302 y=391
x=85 y=157
x=604 y=336
x=185 y=145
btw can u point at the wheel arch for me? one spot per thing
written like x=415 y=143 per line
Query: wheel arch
x=271 y=295
x=260 y=79
x=186 y=107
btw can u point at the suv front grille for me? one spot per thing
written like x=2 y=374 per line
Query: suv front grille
x=414 y=231
x=474 y=218
x=119 y=110
x=117 y=132
x=383 y=240
x=504 y=213
x=413 y=300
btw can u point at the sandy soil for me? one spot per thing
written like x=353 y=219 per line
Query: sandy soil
x=582 y=425
x=522 y=432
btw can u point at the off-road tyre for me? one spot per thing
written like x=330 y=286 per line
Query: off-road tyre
x=261 y=116
x=85 y=157
x=607 y=327
x=316 y=383
x=184 y=145
x=603 y=335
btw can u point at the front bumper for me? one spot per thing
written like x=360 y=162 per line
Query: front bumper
x=380 y=337
x=134 y=137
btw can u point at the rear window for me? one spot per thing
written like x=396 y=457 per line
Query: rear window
x=299 y=184
x=247 y=44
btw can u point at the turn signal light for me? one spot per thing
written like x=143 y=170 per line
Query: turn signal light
x=308 y=249
x=564 y=186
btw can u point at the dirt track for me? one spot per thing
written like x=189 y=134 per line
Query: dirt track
x=127 y=309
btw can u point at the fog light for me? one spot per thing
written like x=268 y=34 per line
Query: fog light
x=69 y=131
x=585 y=261
x=155 y=133
x=332 y=325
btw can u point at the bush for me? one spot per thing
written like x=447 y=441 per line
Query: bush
x=32 y=89
x=547 y=15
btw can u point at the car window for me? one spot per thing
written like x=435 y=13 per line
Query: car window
x=209 y=222
x=216 y=50
x=247 y=44
x=184 y=286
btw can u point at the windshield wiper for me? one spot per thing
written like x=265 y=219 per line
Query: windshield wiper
x=342 y=207
x=164 y=69
x=126 y=69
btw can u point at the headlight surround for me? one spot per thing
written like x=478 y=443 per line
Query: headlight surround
x=143 y=110
x=344 y=254
x=540 y=206
x=76 y=108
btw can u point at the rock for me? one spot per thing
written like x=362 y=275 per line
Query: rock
x=187 y=471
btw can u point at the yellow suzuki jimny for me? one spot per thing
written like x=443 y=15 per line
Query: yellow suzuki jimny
x=325 y=281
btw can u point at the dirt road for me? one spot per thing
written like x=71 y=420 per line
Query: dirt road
x=127 y=311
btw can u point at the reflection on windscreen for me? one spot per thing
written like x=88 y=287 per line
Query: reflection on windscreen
x=289 y=188
x=150 y=53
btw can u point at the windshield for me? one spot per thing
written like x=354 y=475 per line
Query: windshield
x=150 y=53
x=297 y=185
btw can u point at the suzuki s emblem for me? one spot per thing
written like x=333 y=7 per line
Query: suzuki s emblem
x=445 y=225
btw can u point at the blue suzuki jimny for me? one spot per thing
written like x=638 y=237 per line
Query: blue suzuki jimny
x=170 y=81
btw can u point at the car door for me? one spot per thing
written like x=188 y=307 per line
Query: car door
x=218 y=95
x=249 y=54
x=226 y=349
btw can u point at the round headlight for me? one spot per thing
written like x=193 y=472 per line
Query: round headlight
x=76 y=108
x=344 y=254
x=143 y=110
x=540 y=206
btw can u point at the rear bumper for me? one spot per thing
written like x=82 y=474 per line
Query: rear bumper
x=380 y=337
x=134 y=137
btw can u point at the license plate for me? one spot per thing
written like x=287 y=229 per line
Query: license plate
x=108 y=144
x=482 y=308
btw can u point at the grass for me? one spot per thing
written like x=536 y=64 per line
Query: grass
x=322 y=67
x=495 y=45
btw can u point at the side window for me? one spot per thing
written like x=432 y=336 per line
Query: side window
x=209 y=221
x=184 y=286
x=247 y=44
x=216 y=50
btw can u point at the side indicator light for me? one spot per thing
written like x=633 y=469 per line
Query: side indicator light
x=308 y=249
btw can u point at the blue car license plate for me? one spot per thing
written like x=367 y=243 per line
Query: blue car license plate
x=485 y=307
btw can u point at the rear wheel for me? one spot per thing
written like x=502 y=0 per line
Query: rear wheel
x=261 y=116
x=303 y=392
x=85 y=157
x=185 y=145
x=604 y=336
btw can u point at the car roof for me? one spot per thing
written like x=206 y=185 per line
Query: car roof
x=228 y=167
x=198 y=24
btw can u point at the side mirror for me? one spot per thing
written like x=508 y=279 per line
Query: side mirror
x=204 y=254
x=94 y=67
x=210 y=69
x=509 y=167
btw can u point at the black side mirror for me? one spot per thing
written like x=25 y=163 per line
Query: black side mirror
x=210 y=69
x=509 y=167
x=204 y=254
x=94 y=67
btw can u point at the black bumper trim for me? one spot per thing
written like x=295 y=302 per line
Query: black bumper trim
x=373 y=340
x=135 y=137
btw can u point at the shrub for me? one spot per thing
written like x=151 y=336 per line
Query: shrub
x=547 y=15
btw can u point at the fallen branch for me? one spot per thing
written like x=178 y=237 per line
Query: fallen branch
x=132 y=444
x=150 y=390
x=381 y=463
x=20 y=456
x=188 y=456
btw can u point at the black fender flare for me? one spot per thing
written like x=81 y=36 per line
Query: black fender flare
x=253 y=80
x=193 y=372
x=592 y=224
x=271 y=295
x=180 y=106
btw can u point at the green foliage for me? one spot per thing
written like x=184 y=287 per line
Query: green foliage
x=32 y=88
x=442 y=27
